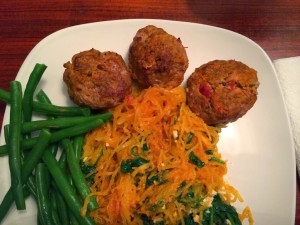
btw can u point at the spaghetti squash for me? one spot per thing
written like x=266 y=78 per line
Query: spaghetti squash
x=158 y=163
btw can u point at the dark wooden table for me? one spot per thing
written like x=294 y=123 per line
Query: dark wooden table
x=274 y=25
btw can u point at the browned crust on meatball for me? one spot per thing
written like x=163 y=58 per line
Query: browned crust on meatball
x=97 y=79
x=222 y=91
x=157 y=58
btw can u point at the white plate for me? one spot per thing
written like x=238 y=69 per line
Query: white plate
x=258 y=146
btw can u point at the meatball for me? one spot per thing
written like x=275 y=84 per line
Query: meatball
x=222 y=91
x=157 y=58
x=97 y=79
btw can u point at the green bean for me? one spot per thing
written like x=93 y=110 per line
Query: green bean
x=41 y=96
x=25 y=144
x=54 y=110
x=62 y=209
x=6 y=133
x=78 y=143
x=73 y=220
x=71 y=216
x=65 y=188
x=58 y=135
x=62 y=162
x=48 y=109
x=42 y=187
x=39 y=147
x=77 y=175
x=7 y=202
x=60 y=203
x=54 y=212
x=39 y=222
x=14 y=144
x=34 y=79
x=54 y=148
x=60 y=123
x=4 y=96
x=76 y=130
x=70 y=179
x=31 y=187
x=34 y=155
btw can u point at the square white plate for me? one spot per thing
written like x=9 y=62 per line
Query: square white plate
x=258 y=147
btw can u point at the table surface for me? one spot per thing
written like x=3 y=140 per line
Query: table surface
x=274 y=25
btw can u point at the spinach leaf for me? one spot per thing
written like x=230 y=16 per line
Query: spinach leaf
x=220 y=213
x=195 y=160
x=208 y=152
x=128 y=165
x=189 y=138
x=215 y=159
x=157 y=206
x=159 y=178
x=147 y=221
x=191 y=199
x=188 y=220
x=145 y=147
x=87 y=169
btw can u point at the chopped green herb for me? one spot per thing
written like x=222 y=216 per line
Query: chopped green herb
x=151 y=180
x=188 y=220
x=191 y=199
x=159 y=178
x=147 y=221
x=157 y=206
x=181 y=186
x=91 y=177
x=195 y=160
x=209 y=152
x=189 y=138
x=87 y=169
x=134 y=152
x=215 y=159
x=128 y=165
x=145 y=147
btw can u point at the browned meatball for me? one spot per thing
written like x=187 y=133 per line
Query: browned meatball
x=97 y=79
x=157 y=58
x=222 y=91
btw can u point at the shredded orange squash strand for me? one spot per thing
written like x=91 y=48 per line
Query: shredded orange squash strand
x=149 y=159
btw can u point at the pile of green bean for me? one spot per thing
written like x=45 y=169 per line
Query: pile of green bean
x=44 y=155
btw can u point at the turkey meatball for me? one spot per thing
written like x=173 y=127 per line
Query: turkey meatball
x=97 y=79
x=222 y=91
x=157 y=58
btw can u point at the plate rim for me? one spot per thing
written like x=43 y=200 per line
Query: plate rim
x=44 y=41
